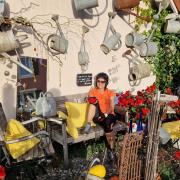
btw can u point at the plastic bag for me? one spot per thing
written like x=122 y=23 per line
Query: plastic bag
x=46 y=105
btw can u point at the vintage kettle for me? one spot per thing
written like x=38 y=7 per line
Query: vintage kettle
x=112 y=42
x=58 y=43
x=83 y=56
x=125 y=5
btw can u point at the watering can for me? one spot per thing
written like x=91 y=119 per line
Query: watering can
x=8 y=41
x=125 y=5
x=172 y=26
x=149 y=48
x=58 y=42
x=88 y=4
x=134 y=39
x=139 y=71
x=2 y=6
x=162 y=4
x=112 y=42
x=83 y=56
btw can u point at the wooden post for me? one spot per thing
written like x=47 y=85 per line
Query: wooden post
x=65 y=145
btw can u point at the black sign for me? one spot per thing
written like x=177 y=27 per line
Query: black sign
x=84 y=79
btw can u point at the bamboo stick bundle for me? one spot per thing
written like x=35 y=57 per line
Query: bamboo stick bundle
x=152 y=136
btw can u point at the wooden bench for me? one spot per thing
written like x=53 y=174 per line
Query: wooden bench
x=59 y=134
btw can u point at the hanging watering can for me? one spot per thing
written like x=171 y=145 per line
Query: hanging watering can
x=125 y=5
x=8 y=41
x=83 y=56
x=88 y=4
x=57 y=42
x=112 y=42
x=2 y=6
x=148 y=49
x=139 y=71
x=161 y=4
x=134 y=39
x=172 y=26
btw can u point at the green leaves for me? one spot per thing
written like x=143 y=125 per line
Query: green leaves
x=166 y=64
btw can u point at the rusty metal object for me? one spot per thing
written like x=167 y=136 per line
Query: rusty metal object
x=126 y=5
x=129 y=163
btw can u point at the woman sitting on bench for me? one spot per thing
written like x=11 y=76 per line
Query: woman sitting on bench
x=101 y=108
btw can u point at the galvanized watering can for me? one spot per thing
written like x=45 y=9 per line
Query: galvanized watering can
x=161 y=4
x=172 y=26
x=88 y=4
x=58 y=42
x=83 y=57
x=112 y=42
x=139 y=71
x=8 y=41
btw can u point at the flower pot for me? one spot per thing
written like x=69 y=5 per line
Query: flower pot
x=126 y=4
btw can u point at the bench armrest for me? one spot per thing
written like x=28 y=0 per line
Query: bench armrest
x=40 y=133
x=34 y=119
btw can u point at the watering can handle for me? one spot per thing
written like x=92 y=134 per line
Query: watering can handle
x=134 y=14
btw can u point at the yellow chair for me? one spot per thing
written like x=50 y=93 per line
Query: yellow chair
x=20 y=144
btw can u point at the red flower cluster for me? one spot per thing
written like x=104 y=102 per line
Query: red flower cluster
x=175 y=105
x=139 y=104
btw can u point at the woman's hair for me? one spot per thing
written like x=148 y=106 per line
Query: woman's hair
x=103 y=76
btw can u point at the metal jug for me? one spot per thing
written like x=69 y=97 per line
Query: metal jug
x=112 y=42
x=139 y=71
x=8 y=41
x=83 y=57
x=172 y=26
x=58 y=42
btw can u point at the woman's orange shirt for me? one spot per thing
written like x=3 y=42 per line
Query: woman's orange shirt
x=103 y=98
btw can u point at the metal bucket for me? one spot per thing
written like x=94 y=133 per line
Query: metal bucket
x=7 y=41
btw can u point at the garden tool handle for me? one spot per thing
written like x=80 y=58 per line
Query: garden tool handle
x=134 y=14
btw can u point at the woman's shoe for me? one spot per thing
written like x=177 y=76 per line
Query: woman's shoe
x=87 y=128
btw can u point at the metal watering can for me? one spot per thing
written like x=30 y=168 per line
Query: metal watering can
x=162 y=4
x=2 y=6
x=83 y=56
x=112 y=42
x=88 y=4
x=139 y=71
x=7 y=41
x=58 y=42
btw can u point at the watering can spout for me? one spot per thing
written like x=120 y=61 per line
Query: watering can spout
x=55 y=17
x=112 y=14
